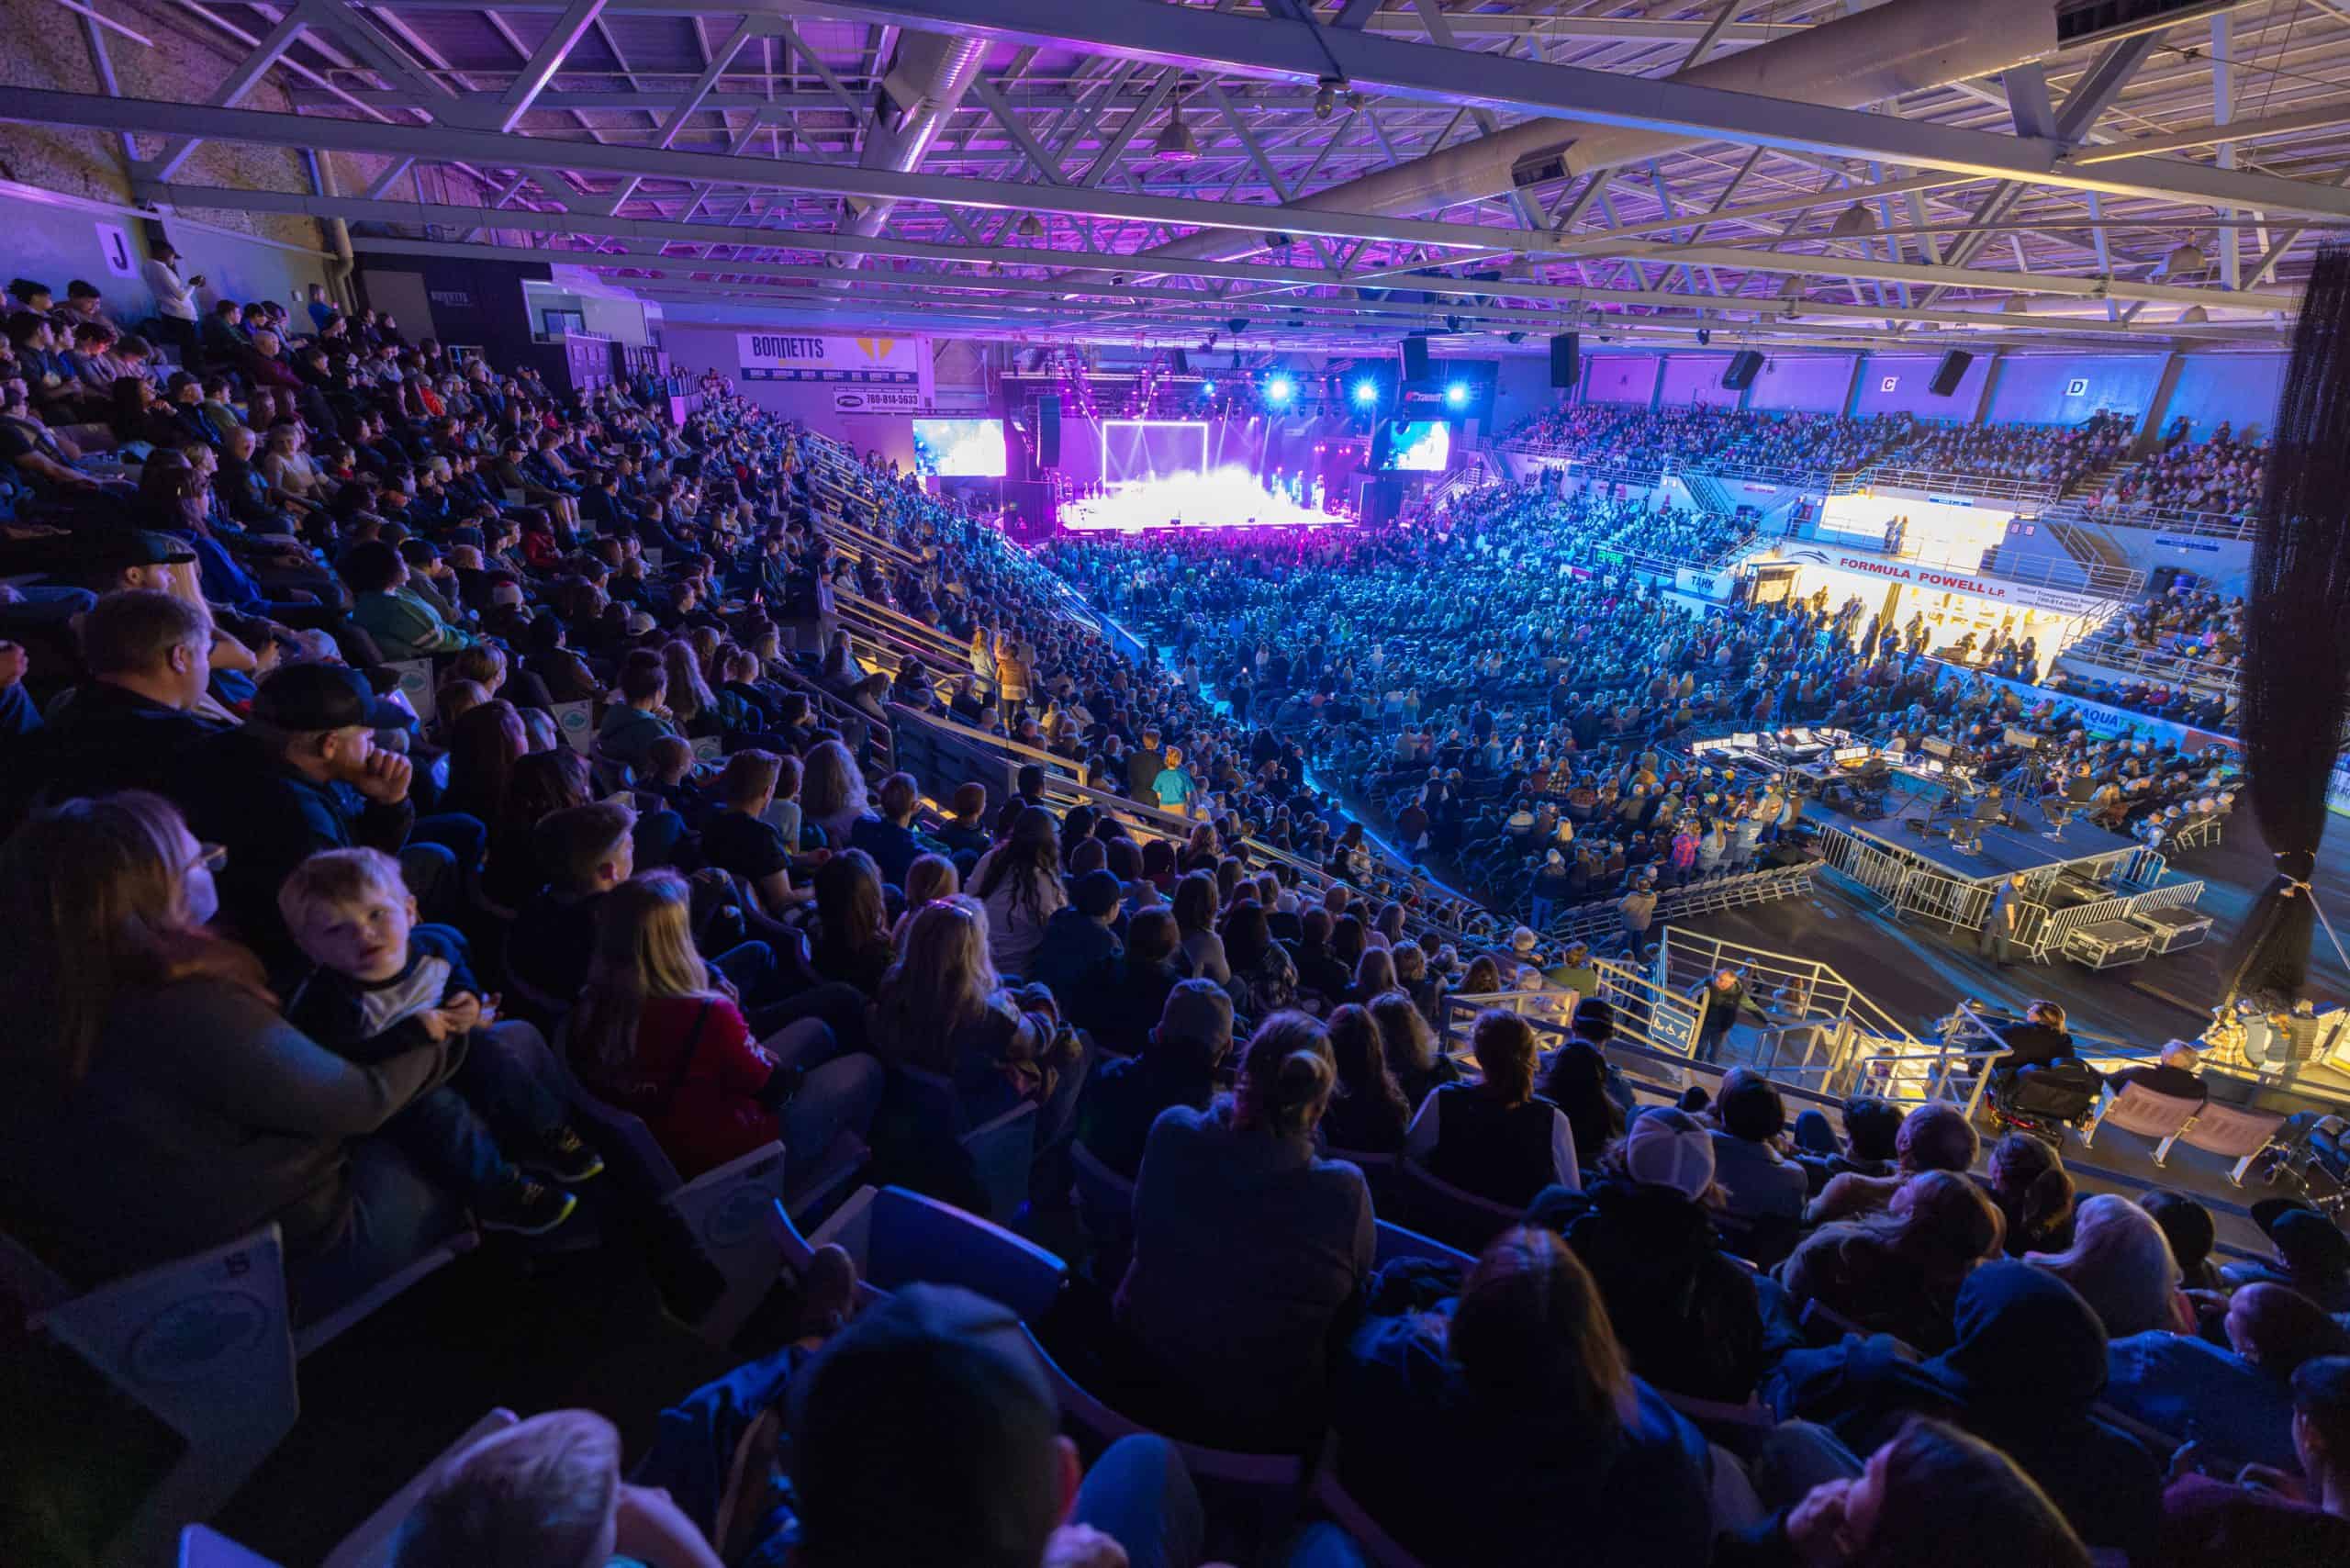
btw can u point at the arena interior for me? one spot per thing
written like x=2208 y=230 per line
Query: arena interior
x=699 y=702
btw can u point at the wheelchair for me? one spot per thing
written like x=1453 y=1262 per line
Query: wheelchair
x=2310 y=1159
x=2044 y=1101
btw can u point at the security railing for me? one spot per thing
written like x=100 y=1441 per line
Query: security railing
x=1976 y=487
x=2165 y=519
x=1737 y=889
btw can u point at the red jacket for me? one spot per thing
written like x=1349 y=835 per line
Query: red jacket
x=711 y=1116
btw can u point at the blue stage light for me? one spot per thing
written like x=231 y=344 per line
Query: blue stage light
x=1279 y=390
x=1207 y=388
x=1366 y=392
x=1456 y=395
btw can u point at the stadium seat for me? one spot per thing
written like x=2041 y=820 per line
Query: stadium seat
x=1278 y=1475
x=1002 y=1152
x=1452 y=1216
x=897 y=1237
x=1395 y=1243
x=370 y=1545
x=2135 y=1108
x=2232 y=1134
x=1330 y=1497
x=207 y=1344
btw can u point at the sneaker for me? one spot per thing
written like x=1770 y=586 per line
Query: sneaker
x=564 y=1156
x=523 y=1207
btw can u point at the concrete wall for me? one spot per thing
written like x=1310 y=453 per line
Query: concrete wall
x=1619 y=378
x=1896 y=384
x=1798 y=382
x=1695 y=379
x=2064 y=389
x=2241 y=389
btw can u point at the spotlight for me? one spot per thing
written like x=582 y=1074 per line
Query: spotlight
x=1704 y=336
x=1278 y=241
x=1366 y=392
x=1279 y=390
x=1456 y=396
x=1324 y=98
x=1207 y=388
x=1354 y=101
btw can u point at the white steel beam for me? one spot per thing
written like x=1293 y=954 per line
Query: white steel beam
x=1233 y=45
x=661 y=233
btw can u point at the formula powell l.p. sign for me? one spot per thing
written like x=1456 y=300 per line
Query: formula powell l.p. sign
x=1949 y=581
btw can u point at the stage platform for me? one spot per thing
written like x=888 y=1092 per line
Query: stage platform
x=2006 y=850
x=1076 y=518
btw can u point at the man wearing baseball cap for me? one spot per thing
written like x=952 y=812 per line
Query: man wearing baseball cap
x=926 y=1435
x=305 y=774
x=2312 y=1254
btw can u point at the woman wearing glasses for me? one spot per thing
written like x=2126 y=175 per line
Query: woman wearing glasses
x=159 y=1104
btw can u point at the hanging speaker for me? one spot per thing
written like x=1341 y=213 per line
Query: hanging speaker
x=1382 y=444
x=1049 y=430
x=1950 y=372
x=1566 y=359
x=1416 y=359
x=1743 y=366
x=1182 y=363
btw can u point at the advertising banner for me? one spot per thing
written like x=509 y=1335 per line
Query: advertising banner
x=869 y=376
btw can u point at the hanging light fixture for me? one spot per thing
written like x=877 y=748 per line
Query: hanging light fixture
x=2014 y=304
x=1325 y=98
x=1852 y=223
x=2193 y=315
x=1176 y=144
x=2186 y=258
x=1030 y=226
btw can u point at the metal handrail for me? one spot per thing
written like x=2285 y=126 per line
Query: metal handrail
x=2196 y=524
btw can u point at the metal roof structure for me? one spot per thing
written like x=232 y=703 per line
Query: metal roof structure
x=2069 y=173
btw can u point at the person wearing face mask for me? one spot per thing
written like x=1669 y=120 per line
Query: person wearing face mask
x=160 y=1105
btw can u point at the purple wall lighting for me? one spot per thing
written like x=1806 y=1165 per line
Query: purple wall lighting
x=1619 y=378
x=1810 y=384
x=1896 y=384
x=2064 y=389
x=1696 y=378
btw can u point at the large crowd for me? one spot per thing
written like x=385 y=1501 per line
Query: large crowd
x=2219 y=475
x=2224 y=474
x=282 y=951
x=1521 y=708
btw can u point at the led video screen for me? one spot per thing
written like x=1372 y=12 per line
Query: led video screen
x=960 y=448
x=1422 y=448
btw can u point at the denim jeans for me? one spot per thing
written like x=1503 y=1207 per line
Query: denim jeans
x=506 y=1089
x=1139 y=1494
x=395 y=1217
x=838 y=1093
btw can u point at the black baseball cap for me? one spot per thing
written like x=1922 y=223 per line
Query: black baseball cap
x=923 y=1436
x=324 y=696
x=2305 y=1239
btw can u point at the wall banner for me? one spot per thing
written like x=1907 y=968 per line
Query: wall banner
x=883 y=375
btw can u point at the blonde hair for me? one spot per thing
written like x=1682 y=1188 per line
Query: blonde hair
x=539 y=1495
x=645 y=949
x=749 y=777
x=1403 y=1035
x=338 y=876
x=939 y=986
x=2122 y=1264
x=929 y=879
x=1374 y=971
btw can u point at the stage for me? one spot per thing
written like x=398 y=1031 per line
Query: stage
x=1216 y=499
x=2006 y=850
